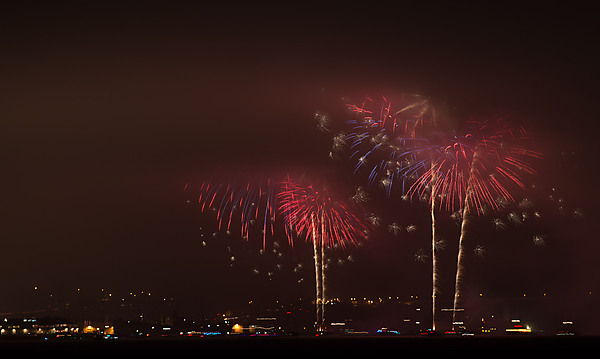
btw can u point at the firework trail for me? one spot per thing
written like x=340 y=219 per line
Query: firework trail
x=465 y=171
x=312 y=212
x=491 y=160
x=386 y=140
x=308 y=211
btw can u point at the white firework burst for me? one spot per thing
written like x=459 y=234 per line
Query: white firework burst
x=479 y=250
x=375 y=220
x=440 y=245
x=420 y=256
x=515 y=218
x=526 y=203
x=456 y=217
x=499 y=224
x=322 y=121
x=394 y=228
x=360 y=196
x=539 y=240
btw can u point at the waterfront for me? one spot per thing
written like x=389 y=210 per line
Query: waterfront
x=465 y=346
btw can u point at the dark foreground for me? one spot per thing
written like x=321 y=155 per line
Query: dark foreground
x=278 y=346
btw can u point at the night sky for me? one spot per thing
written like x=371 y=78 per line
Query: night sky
x=108 y=111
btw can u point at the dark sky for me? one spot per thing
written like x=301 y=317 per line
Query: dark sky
x=108 y=110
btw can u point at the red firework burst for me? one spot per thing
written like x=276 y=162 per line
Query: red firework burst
x=478 y=168
x=248 y=200
x=312 y=211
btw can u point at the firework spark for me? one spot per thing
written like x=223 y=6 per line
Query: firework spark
x=310 y=211
x=539 y=240
x=395 y=228
x=474 y=169
x=481 y=167
x=469 y=171
x=384 y=141
x=380 y=136
x=479 y=250
x=301 y=205
x=499 y=224
x=246 y=200
x=420 y=256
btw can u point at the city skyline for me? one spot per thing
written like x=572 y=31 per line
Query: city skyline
x=144 y=314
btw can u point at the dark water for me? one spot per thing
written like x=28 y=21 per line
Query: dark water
x=281 y=346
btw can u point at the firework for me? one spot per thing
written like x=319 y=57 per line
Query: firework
x=303 y=204
x=472 y=170
x=479 y=250
x=245 y=200
x=467 y=171
x=382 y=138
x=394 y=228
x=539 y=240
x=481 y=167
x=420 y=256
x=310 y=211
x=385 y=141
x=360 y=196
